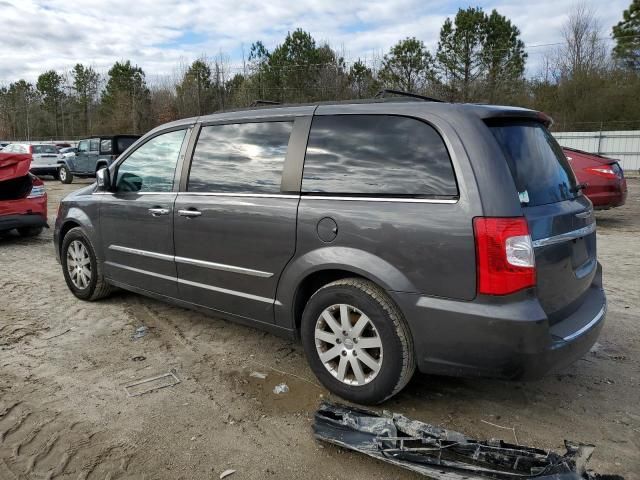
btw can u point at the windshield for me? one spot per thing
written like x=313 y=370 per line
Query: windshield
x=540 y=170
x=43 y=149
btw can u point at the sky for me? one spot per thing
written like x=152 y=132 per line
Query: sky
x=161 y=35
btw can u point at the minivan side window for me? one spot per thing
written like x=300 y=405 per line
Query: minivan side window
x=377 y=155
x=152 y=166
x=240 y=158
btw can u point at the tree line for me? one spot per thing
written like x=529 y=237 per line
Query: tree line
x=480 y=57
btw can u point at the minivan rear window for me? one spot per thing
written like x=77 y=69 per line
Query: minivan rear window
x=540 y=170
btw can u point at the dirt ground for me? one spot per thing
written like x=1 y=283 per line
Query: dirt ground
x=64 y=412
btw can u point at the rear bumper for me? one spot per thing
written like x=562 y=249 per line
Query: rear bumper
x=9 y=222
x=608 y=199
x=500 y=337
x=44 y=169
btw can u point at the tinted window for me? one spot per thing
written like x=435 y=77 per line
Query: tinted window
x=240 y=158
x=376 y=155
x=539 y=168
x=151 y=167
x=122 y=143
x=44 y=149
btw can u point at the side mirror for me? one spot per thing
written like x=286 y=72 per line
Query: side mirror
x=103 y=179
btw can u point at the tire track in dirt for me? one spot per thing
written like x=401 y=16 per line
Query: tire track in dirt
x=67 y=449
x=15 y=426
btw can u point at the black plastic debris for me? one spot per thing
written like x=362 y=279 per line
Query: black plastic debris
x=444 y=454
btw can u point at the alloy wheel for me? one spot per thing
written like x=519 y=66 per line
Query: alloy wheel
x=348 y=344
x=79 y=264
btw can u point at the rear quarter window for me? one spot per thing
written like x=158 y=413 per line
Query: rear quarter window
x=122 y=143
x=539 y=168
x=377 y=155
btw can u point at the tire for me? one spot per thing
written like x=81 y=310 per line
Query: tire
x=394 y=360
x=65 y=175
x=30 y=231
x=96 y=287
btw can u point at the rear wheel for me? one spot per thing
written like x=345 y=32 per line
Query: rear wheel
x=65 y=175
x=30 y=231
x=80 y=267
x=357 y=341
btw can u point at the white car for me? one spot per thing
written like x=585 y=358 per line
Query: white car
x=44 y=157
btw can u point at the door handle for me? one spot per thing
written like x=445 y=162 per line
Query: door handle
x=189 y=213
x=158 y=211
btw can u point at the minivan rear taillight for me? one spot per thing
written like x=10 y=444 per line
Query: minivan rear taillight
x=505 y=260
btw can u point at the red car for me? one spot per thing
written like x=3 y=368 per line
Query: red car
x=602 y=177
x=23 y=200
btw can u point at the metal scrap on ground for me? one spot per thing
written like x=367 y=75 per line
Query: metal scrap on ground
x=444 y=454
x=147 y=385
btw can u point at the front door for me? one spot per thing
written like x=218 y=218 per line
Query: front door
x=136 y=218
x=234 y=228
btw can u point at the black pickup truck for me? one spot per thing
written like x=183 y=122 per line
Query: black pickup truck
x=93 y=154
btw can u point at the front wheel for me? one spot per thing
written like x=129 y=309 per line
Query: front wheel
x=357 y=341
x=65 y=175
x=80 y=267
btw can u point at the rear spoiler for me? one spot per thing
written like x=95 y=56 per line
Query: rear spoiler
x=14 y=165
x=515 y=113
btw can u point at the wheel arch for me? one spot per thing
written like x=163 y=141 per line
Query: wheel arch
x=64 y=229
x=101 y=164
x=76 y=217
x=306 y=274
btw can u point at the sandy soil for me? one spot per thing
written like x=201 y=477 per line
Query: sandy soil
x=64 y=412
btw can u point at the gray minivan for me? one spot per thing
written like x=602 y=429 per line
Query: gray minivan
x=387 y=234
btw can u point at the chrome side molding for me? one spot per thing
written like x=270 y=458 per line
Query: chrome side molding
x=192 y=261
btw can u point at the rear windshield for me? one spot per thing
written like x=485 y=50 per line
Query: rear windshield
x=540 y=170
x=44 y=149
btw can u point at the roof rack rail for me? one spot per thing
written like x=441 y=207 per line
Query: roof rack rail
x=257 y=103
x=382 y=94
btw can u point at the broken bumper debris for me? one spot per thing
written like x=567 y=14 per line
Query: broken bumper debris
x=445 y=454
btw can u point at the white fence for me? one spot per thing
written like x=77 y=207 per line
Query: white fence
x=621 y=145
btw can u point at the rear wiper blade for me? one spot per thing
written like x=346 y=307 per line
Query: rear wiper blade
x=579 y=187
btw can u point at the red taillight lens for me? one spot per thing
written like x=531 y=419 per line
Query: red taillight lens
x=505 y=260
x=605 y=171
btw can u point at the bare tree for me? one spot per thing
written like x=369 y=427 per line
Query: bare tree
x=584 y=51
